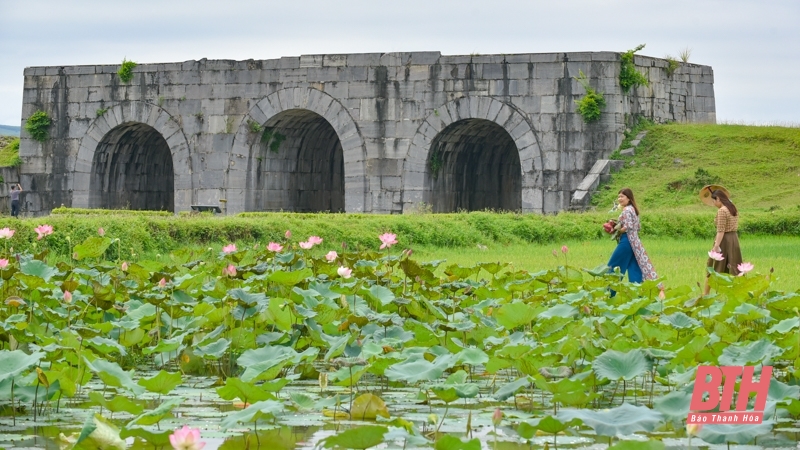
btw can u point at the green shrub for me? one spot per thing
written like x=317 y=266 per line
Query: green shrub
x=38 y=125
x=125 y=71
x=628 y=75
x=590 y=106
x=672 y=65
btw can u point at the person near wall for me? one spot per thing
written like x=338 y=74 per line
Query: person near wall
x=630 y=256
x=14 y=195
x=726 y=241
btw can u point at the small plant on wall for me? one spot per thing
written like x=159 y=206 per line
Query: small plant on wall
x=253 y=126
x=672 y=65
x=125 y=71
x=272 y=139
x=435 y=163
x=590 y=106
x=38 y=125
x=628 y=75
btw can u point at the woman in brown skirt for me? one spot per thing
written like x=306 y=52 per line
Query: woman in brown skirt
x=727 y=239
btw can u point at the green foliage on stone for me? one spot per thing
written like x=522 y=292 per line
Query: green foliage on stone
x=272 y=139
x=590 y=106
x=628 y=75
x=125 y=71
x=435 y=163
x=254 y=126
x=101 y=111
x=38 y=125
x=672 y=65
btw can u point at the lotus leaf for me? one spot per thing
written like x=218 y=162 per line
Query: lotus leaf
x=625 y=419
x=246 y=392
x=266 y=408
x=748 y=354
x=416 y=368
x=356 y=438
x=99 y=433
x=113 y=375
x=161 y=383
x=735 y=434
x=449 y=442
x=156 y=415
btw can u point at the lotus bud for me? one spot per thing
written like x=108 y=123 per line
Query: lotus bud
x=497 y=417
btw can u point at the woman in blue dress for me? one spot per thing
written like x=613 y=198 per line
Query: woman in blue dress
x=630 y=256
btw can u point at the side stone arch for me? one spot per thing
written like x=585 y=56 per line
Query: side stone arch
x=133 y=113
x=416 y=172
x=319 y=103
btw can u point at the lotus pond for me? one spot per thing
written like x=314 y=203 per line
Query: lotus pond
x=284 y=346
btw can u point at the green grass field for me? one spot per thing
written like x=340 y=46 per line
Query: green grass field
x=681 y=262
x=759 y=165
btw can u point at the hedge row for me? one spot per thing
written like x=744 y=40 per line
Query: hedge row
x=143 y=233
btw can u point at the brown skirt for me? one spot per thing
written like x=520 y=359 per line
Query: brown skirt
x=731 y=252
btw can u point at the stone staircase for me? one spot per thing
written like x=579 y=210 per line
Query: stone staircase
x=600 y=173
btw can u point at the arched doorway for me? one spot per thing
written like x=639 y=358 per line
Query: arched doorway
x=296 y=165
x=132 y=169
x=474 y=165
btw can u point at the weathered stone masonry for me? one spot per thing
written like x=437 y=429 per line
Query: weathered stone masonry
x=358 y=133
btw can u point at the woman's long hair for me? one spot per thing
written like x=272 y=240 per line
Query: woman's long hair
x=627 y=192
x=718 y=194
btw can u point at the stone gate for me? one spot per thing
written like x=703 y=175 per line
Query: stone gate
x=382 y=133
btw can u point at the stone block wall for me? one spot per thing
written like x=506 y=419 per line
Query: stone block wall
x=386 y=110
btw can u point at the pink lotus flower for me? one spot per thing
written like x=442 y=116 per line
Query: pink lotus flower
x=331 y=256
x=230 y=248
x=162 y=283
x=387 y=240
x=744 y=268
x=101 y=231
x=229 y=271
x=315 y=240
x=497 y=417
x=186 y=439
x=564 y=249
x=693 y=428
x=68 y=296
x=274 y=247
x=42 y=231
x=344 y=272
x=3 y=263
x=306 y=245
x=288 y=234
x=124 y=266
x=716 y=256
x=6 y=233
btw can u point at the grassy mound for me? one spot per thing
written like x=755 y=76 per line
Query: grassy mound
x=9 y=152
x=759 y=165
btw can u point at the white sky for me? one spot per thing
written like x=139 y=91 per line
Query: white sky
x=753 y=45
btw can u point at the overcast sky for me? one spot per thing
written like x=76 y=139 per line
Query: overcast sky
x=753 y=46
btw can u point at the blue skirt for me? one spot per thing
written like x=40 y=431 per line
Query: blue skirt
x=624 y=258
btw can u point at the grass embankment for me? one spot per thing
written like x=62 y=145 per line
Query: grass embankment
x=9 y=152
x=161 y=233
x=759 y=165
x=676 y=241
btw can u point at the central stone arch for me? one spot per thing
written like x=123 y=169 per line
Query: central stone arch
x=134 y=156
x=297 y=149
x=474 y=137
